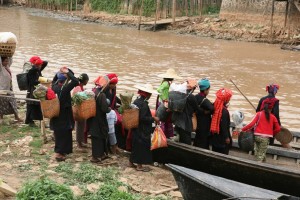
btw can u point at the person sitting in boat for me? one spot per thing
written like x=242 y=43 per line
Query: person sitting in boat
x=33 y=109
x=220 y=124
x=141 y=136
x=265 y=126
x=206 y=109
x=163 y=98
x=7 y=105
x=183 y=120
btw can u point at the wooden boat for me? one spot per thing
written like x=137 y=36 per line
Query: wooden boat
x=195 y=185
x=250 y=172
x=290 y=47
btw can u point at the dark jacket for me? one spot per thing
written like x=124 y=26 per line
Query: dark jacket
x=112 y=97
x=145 y=118
x=65 y=120
x=183 y=119
x=275 y=110
x=33 y=80
x=98 y=126
x=218 y=140
x=204 y=113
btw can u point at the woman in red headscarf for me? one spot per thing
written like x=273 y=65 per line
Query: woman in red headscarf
x=265 y=127
x=33 y=109
x=220 y=123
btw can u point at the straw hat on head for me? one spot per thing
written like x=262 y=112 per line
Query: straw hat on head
x=146 y=88
x=171 y=73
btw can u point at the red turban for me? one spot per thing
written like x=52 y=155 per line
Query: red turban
x=113 y=78
x=223 y=96
x=38 y=62
x=33 y=59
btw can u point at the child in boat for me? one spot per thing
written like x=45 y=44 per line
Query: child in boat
x=265 y=126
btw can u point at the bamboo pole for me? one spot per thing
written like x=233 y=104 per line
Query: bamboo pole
x=156 y=14
x=186 y=8
x=242 y=94
x=12 y=97
x=272 y=16
x=286 y=12
x=173 y=12
x=140 y=18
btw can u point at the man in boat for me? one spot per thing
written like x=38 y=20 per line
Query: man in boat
x=206 y=109
x=272 y=91
x=220 y=125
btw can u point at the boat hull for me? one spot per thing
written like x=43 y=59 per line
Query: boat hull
x=245 y=171
x=196 y=185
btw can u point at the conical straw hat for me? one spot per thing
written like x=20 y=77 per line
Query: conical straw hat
x=171 y=73
x=146 y=88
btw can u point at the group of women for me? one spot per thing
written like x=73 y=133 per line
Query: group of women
x=213 y=119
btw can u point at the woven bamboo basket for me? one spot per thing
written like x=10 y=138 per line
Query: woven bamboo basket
x=7 y=49
x=50 y=108
x=130 y=118
x=284 y=136
x=85 y=110
x=194 y=121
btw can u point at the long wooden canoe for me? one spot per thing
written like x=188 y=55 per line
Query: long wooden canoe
x=195 y=185
x=262 y=175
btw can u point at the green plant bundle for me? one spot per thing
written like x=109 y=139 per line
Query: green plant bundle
x=44 y=189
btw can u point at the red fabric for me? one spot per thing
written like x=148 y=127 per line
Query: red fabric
x=113 y=78
x=50 y=94
x=129 y=140
x=272 y=87
x=33 y=59
x=101 y=81
x=223 y=96
x=270 y=101
x=264 y=127
x=38 y=62
x=78 y=88
x=144 y=94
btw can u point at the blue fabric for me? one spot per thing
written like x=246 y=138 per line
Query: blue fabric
x=204 y=84
x=61 y=77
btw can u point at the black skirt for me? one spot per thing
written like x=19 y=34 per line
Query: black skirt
x=141 y=144
x=63 y=141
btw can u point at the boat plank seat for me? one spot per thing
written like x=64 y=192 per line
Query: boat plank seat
x=277 y=151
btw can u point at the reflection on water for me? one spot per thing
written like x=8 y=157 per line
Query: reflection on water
x=137 y=57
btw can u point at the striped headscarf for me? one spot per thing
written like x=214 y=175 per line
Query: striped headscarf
x=223 y=96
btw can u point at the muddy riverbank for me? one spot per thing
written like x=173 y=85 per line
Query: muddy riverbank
x=203 y=26
x=232 y=28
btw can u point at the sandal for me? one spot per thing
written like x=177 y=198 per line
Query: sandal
x=105 y=157
x=60 y=159
x=95 y=160
x=143 y=169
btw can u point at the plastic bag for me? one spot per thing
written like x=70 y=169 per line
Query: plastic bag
x=158 y=139
x=178 y=87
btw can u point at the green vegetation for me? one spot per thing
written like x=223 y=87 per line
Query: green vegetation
x=111 y=6
x=211 y=10
x=44 y=189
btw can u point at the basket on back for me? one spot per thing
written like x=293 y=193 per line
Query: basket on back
x=130 y=118
x=177 y=101
x=50 y=108
x=84 y=110
x=7 y=49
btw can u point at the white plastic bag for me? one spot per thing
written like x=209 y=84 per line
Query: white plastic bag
x=179 y=87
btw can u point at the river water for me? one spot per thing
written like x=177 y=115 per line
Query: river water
x=138 y=56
